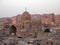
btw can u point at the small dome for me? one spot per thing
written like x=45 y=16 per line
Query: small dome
x=26 y=15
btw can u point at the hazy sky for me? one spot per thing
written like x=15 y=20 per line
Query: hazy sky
x=14 y=7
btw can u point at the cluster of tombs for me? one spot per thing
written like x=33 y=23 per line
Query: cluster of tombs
x=28 y=28
x=31 y=30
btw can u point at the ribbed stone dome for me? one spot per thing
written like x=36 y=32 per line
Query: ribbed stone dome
x=26 y=15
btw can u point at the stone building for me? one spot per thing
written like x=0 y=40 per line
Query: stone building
x=27 y=26
x=33 y=26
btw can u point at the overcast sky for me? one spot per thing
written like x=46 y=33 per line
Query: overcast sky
x=14 y=7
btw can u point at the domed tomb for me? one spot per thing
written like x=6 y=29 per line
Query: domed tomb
x=26 y=16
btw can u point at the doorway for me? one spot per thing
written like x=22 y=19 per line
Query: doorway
x=12 y=30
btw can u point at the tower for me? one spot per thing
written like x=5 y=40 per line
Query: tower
x=26 y=20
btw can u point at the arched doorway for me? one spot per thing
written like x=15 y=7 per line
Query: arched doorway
x=12 y=30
